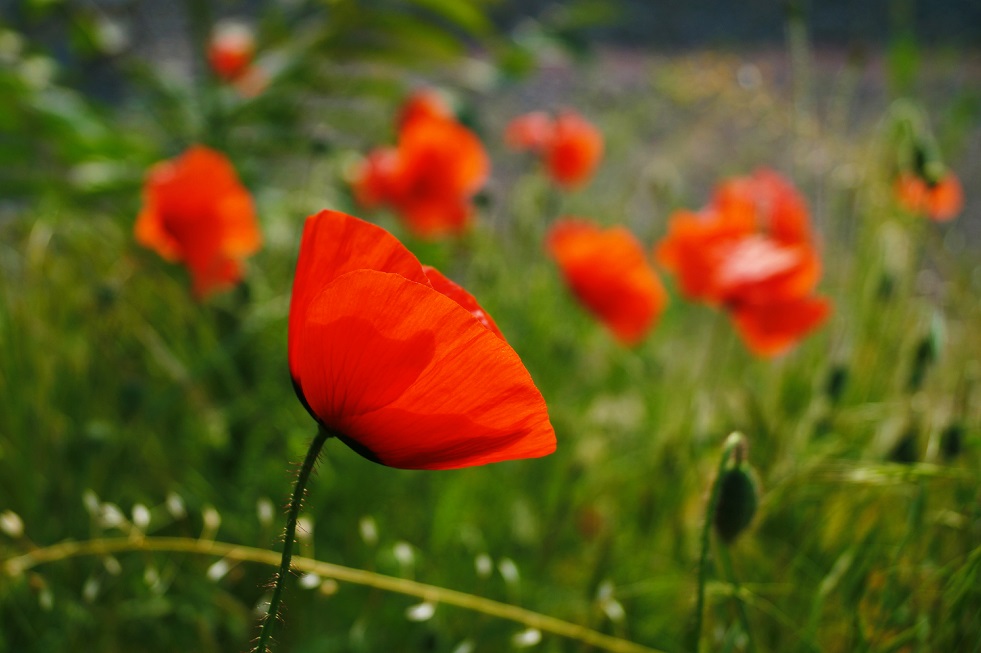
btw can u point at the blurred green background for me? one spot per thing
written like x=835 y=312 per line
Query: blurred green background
x=128 y=409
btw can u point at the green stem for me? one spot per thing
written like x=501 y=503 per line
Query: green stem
x=726 y=560
x=733 y=442
x=294 y=510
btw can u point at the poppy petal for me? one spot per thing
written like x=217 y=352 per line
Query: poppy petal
x=413 y=379
x=773 y=327
x=458 y=294
x=334 y=244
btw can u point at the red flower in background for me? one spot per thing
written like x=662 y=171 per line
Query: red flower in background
x=231 y=49
x=751 y=251
x=432 y=174
x=570 y=146
x=401 y=363
x=940 y=201
x=608 y=271
x=196 y=211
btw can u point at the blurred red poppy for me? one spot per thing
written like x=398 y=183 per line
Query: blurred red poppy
x=429 y=178
x=195 y=210
x=231 y=49
x=941 y=201
x=570 y=146
x=751 y=251
x=609 y=272
x=401 y=363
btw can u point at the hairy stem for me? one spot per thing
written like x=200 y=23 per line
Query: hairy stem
x=294 y=510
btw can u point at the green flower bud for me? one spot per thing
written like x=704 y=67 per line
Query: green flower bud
x=738 y=498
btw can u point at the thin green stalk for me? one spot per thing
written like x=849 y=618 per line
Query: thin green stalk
x=733 y=442
x=294 y=510
x=727 y=568
x=18 y=565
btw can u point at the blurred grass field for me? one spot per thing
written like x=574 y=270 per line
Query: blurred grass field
x=129 y=409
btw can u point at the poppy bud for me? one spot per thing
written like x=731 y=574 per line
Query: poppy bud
x=834 y=386
x=905 y=449
x=925 y=354
x=952 y=440
x=738 y=498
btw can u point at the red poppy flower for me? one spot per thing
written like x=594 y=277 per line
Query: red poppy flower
x=401 y=363
x=231 y=49
x=608 y=271
x=196 y=211
x=941 y=201
x=752 y=252
x=570 y=146
x=429 y=178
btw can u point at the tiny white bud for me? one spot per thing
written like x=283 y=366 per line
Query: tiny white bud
x=614 y=610
x=11 y=524
x=527 y=638
x=91 y=502
x=509 y=571
x=212 y=521
x=403 y=554
x=266 y=511
x=110 y=516
x=421 y=611
x=113 y=568
x=466 y=646
x=90 y=590
x=304 y=529
x=484 y=565
x=309 y=581
x=141 y=516
x=217 y=570
x=175 y=506
x=369 y=530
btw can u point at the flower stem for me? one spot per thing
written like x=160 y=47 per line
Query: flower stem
x=733 y=443
x=726 y=560
x=294 y=510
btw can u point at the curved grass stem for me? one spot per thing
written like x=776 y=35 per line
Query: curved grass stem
x=106 y=546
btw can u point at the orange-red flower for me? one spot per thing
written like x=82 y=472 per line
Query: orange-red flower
x=429 y=178
x=570 y=147
x=940 y=201
x=752 y=252
x=231 y=49
x=195 y=210
x=401 y=363
x=609 y=272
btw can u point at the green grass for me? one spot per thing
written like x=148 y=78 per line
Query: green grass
x=119 y=390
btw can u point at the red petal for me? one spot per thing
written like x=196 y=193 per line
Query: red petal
x=462 y=297
x=334 y=244
x=410 y=377
x=946 y=199
x=774 y=327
